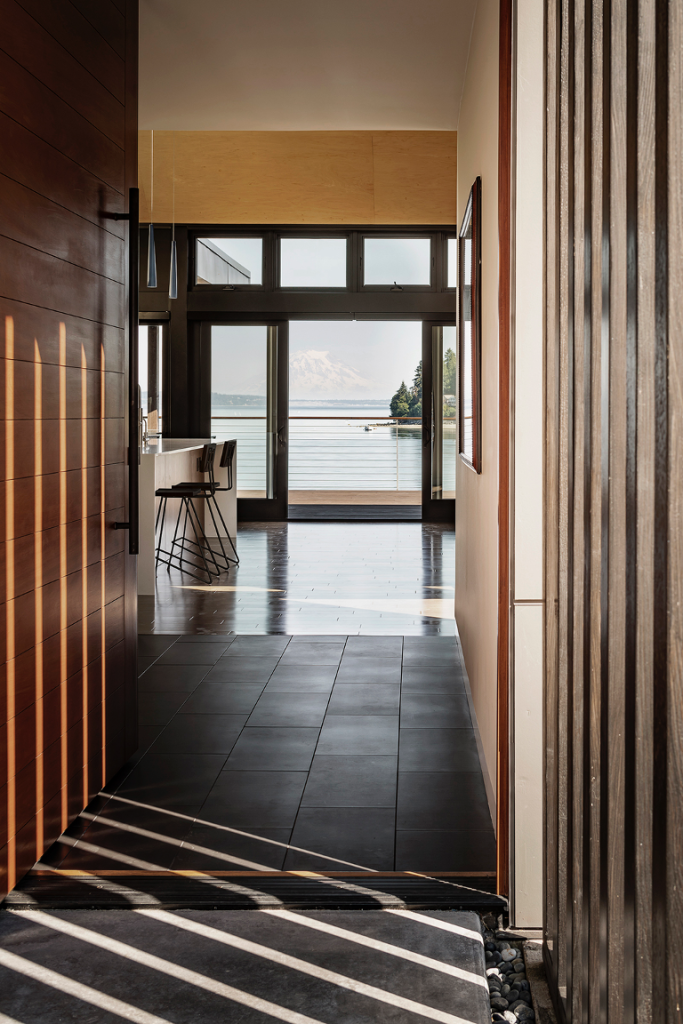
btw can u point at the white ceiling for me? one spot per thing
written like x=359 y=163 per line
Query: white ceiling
x=303 y=65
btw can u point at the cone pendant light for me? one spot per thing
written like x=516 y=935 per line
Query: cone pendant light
x=151 y=248
x=173 y=282
x=173 y=279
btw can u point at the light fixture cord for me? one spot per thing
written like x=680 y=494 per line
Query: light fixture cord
x=151 y=183
x=173 y=190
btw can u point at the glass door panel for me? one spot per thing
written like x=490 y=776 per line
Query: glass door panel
x=150 y=377
x=243 y=402
x=248 y=404
x=444 y=412
x=355 y=413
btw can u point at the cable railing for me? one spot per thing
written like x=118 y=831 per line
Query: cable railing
x=338 y=453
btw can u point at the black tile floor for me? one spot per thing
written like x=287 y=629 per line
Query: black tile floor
x=335 y=578
x=318 y=753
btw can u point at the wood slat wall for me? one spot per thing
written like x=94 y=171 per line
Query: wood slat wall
x=68 y=153
x=614 y=540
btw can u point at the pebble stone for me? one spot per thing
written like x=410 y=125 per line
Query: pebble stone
x=509 y=990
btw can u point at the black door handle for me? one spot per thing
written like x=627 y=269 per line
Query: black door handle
x=133 y=524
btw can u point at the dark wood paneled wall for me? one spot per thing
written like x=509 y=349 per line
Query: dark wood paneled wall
x=614 y=477
x=68 y=153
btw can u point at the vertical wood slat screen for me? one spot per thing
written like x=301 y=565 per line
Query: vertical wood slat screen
x=614 y=529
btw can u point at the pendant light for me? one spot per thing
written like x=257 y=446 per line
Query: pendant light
x=173 y=281
x=151 y=248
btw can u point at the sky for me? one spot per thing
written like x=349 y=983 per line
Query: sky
x=381 y=352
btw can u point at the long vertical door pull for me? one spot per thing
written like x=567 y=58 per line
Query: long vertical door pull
x=133 y=218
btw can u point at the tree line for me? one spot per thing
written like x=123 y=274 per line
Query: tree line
x=407 y=401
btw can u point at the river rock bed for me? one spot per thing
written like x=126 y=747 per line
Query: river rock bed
x=509 y=990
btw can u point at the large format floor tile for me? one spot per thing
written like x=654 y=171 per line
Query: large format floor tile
x=175 y=782
x=438 y=750
x=255 y=744
x=445 y=851
x=435 y=711
x=365 y=699
x=211 y=848
x=303 y=678
x=200 y=734
x=348 y=780
x=442 y=801
x=273 y=749
x=363 y=670
x=221 y=699
x=170 y=678
x=275 y=708
x=359 y=734
x=245 y=799
x=363 y=836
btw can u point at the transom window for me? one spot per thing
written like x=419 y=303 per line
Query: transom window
x=325 y=259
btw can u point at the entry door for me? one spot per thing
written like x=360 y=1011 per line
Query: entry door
x=244 y=395
x=439 y=422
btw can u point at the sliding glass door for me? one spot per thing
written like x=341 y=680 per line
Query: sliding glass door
x=246 y=390
x=358 y=413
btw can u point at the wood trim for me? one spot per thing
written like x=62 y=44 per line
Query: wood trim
x=504 y=284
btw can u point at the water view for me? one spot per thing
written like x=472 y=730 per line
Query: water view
x=344 y=434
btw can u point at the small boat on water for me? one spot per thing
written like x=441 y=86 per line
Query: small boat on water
x=370 y=426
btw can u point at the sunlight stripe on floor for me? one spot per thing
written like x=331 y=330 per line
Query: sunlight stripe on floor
x=294 y=963
x=4 y=1019
x=436 y=922
x=171 y=841
x=381 y=947
x=155 y=963
x=234 y=831
x=76 y=989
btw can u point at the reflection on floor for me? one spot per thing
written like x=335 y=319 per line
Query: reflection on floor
x=302 y=753
x=335 y=578
x=156 y=967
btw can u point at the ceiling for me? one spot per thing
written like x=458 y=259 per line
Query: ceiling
x=303 y=65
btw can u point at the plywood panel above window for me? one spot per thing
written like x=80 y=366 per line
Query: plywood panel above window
x=299 y=177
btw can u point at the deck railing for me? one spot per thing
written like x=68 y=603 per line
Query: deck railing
x=337 y=453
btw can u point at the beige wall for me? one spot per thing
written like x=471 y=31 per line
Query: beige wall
x=476 y=537
x=383 y=177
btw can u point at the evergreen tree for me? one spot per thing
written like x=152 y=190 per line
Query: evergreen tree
x=449 y=378
x=449 y=381
x=400 y=403
x=416 y=392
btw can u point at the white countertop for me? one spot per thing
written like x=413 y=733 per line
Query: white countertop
x=170 y=445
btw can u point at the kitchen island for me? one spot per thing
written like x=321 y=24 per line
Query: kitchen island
x=165 y=461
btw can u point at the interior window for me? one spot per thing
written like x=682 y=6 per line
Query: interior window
x=229 y=261
x=397 y=261
x=452 y=261
x=313 y=263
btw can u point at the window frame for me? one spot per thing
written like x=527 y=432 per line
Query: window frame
x=355 y=237
x=433 y=256
x=229 y=233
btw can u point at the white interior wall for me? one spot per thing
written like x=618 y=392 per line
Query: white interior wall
x=527 y=429
x=477 y=495
x=476 y=535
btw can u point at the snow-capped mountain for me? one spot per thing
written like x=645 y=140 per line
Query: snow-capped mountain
x=313 y=373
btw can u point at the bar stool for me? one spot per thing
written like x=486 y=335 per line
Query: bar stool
x=209 y=491
x=197 y=547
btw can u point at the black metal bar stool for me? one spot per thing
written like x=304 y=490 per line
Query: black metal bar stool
x=209 y=491
x=191 y=553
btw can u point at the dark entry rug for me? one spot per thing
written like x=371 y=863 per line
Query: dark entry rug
x=64 y=890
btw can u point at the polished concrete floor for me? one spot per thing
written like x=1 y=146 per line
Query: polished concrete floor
x=321 y=753
x=334 y=578
x=254 y=966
